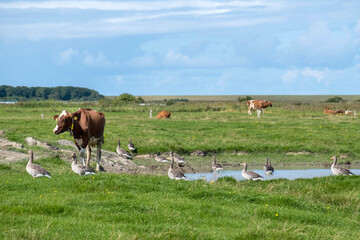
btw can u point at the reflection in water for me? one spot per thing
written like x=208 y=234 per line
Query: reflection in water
x=290 y=174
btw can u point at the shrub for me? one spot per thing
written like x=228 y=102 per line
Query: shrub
x=125 y=99
x=243 y=99
x=335 y=99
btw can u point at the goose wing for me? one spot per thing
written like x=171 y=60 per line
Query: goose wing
x=343 y=171
x=40 y=171
x=254 y=175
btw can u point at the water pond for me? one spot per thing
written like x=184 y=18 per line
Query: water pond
x=290 y=174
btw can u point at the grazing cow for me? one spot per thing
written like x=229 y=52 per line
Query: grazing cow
x=259 y=105
x=348 y=112
x=164 y=114
x=87 y=128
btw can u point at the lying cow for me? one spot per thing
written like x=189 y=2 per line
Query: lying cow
x=87 y=128
x=259 y=105
x=164 y=114
x=327 y=110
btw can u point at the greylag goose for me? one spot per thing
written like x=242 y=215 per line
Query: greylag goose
x=34 y=169
x=179 y=160
x=79 y=168
x=339 y=170
x=131 y=146
x=160 y=158
x=250 y=175
x=216 y=166
x=268 y=168
x=173 y=173
x=122 y=152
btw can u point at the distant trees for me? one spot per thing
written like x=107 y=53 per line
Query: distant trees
x=244 y=99
x=123 y=99
x=335 y=99
x=46 y=93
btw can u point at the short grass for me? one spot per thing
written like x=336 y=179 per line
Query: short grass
x=214 y=127
x=124 y=206
x=112 y=206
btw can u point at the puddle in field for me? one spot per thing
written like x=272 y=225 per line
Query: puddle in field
x=290 y=174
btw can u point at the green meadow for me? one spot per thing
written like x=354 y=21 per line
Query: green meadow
x=141 y=206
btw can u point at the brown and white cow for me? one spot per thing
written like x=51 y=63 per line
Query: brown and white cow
x=87 y=128
x=164 y=114
x=259 y=105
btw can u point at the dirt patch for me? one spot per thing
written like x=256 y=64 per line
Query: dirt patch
x=298 y=153
x=32 y=141
x=7 y=155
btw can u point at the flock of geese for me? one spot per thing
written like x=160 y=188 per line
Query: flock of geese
x=173 y=173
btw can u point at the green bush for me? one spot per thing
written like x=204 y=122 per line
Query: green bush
x=243 y=99
x=125 y=99
x=335 y=99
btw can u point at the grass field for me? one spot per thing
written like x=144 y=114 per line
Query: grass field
x=112 y=206
x=220 y=127
x=124 y=206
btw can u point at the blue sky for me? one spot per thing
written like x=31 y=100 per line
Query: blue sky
x=183 y=47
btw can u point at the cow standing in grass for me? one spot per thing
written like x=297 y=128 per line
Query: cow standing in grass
x=259 y=105
x=87 y=128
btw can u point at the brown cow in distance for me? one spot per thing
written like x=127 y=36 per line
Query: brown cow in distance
x=328 y=111
x=87 y=128
x=259 y=105
x=164 y=114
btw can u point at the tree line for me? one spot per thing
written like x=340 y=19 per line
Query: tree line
x=21 y=93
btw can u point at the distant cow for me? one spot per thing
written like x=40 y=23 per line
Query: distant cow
x=87 y=128
x=259 y=105
x=164 y=114
x=328 y=111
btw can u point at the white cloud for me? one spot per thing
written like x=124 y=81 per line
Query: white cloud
x=290 y=76
x=318 y=75
x=97 y=60
x=143 y=61
x=67 y=56
x=131 y=5
x=142 y=17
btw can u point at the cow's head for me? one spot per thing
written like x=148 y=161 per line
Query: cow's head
x=270 y=103
x=63 y=122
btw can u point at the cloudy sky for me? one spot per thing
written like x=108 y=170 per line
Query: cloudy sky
x=250 y=47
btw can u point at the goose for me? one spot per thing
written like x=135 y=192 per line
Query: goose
x=122 y=152
x=216 y=166
x=131 y=146
x=173 y=173
x=268 y=168
x=249 y=174
x=34 y=169
x=160 y=158
x=178 y=159
x=79 y=168
x=339 y=170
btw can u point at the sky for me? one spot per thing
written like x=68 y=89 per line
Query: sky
x=251 y=47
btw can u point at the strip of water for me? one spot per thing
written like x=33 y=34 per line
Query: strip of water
x=290 y=174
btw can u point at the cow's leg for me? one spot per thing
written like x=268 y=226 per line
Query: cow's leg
x=82 y=155
x=98 y=156
x=258 y=112
x=88 y=153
